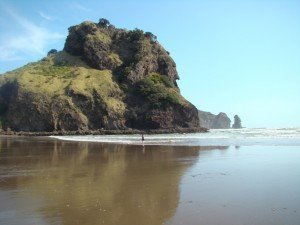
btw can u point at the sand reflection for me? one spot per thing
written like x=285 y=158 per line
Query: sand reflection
x=90 y=183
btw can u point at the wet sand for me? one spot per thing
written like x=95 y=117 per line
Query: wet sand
x=48 y=181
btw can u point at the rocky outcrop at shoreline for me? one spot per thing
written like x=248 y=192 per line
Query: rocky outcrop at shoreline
x=105 y=132
x=106 y=78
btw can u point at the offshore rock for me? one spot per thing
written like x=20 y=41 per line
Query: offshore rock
x=237 y=122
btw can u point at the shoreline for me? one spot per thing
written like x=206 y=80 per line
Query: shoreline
x=104 y=132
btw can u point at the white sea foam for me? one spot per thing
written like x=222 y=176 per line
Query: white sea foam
x=220 y=137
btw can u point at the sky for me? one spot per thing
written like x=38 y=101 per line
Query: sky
x=237 y=57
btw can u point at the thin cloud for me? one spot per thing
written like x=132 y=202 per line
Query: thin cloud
x=30 y=40
x=7 y=54
x=45 y=16
x=81 y=7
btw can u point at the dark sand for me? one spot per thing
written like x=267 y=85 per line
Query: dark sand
x=47 y=181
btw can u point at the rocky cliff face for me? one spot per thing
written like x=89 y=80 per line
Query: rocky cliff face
x=105 y=78
x=211 y=121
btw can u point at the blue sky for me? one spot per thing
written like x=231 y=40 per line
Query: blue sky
x=239 y=57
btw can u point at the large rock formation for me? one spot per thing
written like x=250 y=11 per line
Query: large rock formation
x=105 y=78
x=237 y=122
x=211 y=121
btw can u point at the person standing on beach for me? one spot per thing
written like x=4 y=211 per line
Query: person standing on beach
x=143 y=137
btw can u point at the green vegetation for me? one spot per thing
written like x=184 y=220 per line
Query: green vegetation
x=158 y=91
x=115 y=58
x=161 y=79
x=103 y=22
x=55 y=76
x=151 y=36
x=90 y=81
x=51 y=52
x=64 y=59
x=136 y=34
x=122 y=73
x=98 y=37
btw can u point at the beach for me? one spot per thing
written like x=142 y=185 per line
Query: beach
x=47 y=180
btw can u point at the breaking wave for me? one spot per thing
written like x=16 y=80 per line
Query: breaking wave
x=217 y=137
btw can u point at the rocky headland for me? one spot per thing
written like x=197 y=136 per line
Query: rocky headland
x=211 y=121
x=105 y=80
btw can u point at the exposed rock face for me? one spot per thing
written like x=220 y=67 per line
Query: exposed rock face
x=106 y=78
x=206 y=119
x=221 y=121
x=237 y=122
x=211 y=121
x=132 y=53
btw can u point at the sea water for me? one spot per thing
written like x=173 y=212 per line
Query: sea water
x=220 y=137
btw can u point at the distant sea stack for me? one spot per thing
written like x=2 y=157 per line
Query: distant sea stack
x=211 y=121
x=105 y=79
x=237 y=122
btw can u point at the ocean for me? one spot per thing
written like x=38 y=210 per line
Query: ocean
x=220 y=137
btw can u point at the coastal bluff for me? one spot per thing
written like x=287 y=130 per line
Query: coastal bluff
x=105 y=79
x=211 y=121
